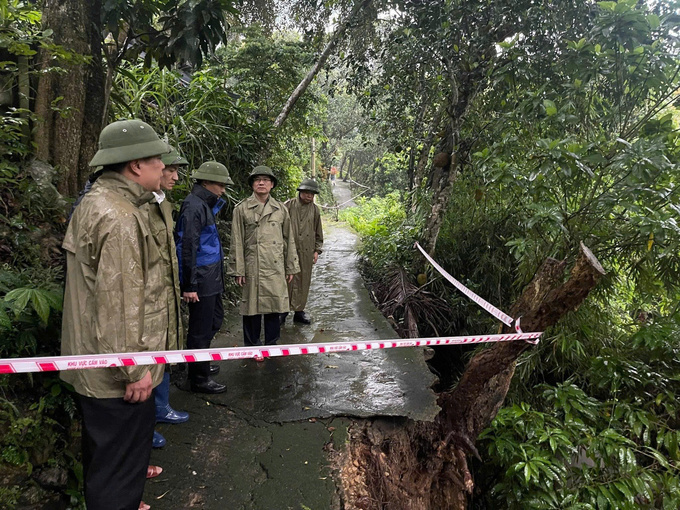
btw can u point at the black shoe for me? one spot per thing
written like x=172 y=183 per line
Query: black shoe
x=302 y=317
x=282 y=318
x=208 y=386
x=214 y=369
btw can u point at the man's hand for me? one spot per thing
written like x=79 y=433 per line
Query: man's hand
x=190 y=297
x=316 y=257
x=240 y=280
x=139 y=391
x=289 y=278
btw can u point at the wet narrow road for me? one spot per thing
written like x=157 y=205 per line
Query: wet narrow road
x=265 y=443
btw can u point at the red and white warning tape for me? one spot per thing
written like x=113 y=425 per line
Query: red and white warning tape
x=54 y=363
x=499 y=314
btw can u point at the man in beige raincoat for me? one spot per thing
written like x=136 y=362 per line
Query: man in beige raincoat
x=262 y=258
x=116 y=301
x=306 y=219
x=162 y=228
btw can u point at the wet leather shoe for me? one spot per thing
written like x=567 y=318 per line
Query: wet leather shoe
x=208 y=386
x=302 y=317
x=168 y=415
x=158 y=440
x=214 y=369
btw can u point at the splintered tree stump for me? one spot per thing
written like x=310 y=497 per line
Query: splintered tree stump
x=422 y=465
x=471 y=406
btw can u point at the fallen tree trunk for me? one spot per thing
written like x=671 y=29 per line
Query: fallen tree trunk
x=420 y=465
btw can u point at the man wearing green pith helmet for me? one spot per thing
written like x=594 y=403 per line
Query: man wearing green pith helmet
x=201 y=267
x=115 y=302
x=262 y=258
x=305 y=217
x=162 y=227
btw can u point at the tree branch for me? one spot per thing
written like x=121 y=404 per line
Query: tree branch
x=336 y=37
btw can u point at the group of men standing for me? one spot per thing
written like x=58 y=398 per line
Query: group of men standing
x=128 y=269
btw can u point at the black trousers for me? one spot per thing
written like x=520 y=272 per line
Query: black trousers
x=116 y=451
x=252 y=325
x=205 y=320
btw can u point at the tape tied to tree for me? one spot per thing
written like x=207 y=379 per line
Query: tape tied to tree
x=496 y=312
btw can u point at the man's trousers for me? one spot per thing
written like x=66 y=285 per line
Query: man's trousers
x=205 y=320
x=116 y=451
x=252 y=326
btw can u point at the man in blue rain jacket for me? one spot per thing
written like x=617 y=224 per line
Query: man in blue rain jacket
x=201 y=267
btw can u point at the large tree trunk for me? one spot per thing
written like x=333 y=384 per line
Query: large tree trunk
x=350 y=166
x=337 y=36
x=422 y=465
x=419 y=171
x=417 y=127
x=342 y=165
x=67 y=129
x=447 y=162
x=443 y=175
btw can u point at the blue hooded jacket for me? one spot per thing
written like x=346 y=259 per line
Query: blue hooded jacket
x=199 y=250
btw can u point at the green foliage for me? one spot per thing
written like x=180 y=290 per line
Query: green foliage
x=12 y=143
x=264 y=70
x=380 y=221
x=589 y=153
x=34 y=437
x=167 y=32
x=579 y=453
x=29 y=311
x=199 y=117
x=223 y=112
x=19 y=30
x=41 y=301
x=9 y=496
x=326 y=196
x=34 y=422
x=20 y=37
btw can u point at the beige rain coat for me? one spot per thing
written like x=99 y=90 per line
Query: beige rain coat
x=308 y=233
x=262 y=250
x=162 y=228
x=115 y=298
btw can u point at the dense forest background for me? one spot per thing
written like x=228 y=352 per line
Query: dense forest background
x=500 y=135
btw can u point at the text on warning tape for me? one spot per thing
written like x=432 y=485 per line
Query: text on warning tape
x=81 y=362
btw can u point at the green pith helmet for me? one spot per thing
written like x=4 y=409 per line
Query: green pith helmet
x=174 y=158
x=309 y=185
x=261 y=170
x=126 y=140
x=212 y=171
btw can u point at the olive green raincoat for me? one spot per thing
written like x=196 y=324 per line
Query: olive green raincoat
x=308 y=233
x=162 y=228
x=115 y=297
x=262 y=250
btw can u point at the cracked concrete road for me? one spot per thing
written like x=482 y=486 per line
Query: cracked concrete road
x=265 y=443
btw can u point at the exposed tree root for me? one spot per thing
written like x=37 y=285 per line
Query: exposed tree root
x=406 y=305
